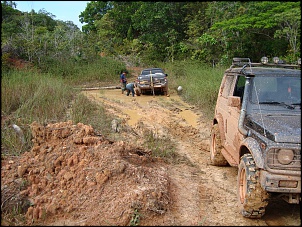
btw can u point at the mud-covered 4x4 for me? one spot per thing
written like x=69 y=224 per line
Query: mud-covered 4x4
x=152 y=80
x=257 y=127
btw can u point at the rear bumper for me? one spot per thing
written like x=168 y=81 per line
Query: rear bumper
x=280 y=183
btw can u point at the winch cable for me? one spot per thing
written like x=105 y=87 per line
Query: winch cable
x=152 y=85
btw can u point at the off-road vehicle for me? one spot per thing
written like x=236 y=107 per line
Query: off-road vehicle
x=257 y=128
x=152 y=80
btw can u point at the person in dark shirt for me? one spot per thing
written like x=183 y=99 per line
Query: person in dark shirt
x=123 y=81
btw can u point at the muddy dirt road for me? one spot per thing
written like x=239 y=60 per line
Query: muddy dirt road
x=73 y=176
x=202 y=194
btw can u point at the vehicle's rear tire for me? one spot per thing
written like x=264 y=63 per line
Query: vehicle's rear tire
x=216 y=156
x=252 y=198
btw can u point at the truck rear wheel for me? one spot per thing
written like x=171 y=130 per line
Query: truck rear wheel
x=216 y=156
x=253 y=199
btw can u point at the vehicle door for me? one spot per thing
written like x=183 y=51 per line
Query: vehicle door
x=233 y=137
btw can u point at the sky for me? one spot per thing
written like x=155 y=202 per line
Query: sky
x=63 y=10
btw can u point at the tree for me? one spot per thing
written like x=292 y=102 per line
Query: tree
x=106 y=34
x=264 y=21
x=10 y=20
x=160 y=26
x=94 y=11
x=289 y=22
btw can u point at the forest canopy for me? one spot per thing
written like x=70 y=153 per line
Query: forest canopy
x=210 y=32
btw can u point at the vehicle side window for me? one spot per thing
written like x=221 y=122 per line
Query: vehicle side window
x=226 y=87
x=239 y=89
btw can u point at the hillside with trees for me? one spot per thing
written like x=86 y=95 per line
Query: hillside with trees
x=148 y=32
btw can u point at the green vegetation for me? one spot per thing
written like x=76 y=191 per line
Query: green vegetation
x=161 y=147
x=90 y=113
x=44 y=59
x=28 y=96
x=135 y=218
x=148 y=32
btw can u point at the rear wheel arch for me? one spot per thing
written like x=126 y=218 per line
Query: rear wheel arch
x=219 y=121
x=216 y=157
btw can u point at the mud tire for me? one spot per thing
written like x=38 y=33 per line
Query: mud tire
x=137 y=91
x=216 y=157
x=252 y=198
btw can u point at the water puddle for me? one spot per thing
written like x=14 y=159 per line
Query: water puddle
x=144 y=102
x=134 y=117
x=190 y=117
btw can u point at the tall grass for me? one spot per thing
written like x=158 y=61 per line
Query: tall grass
x=28 y=96
x=16 y=88
x=34 y=96
x=90 y=113
x=101 y=70
x=199 y=81
x=83 y=71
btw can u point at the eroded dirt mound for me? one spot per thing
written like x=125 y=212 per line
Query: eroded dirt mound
x=72 y=176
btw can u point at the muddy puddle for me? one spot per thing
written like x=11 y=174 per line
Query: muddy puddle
x=130 y=103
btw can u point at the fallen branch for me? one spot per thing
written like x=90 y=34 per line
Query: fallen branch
x=99 y=88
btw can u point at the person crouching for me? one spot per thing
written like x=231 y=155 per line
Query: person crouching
x=130 y=88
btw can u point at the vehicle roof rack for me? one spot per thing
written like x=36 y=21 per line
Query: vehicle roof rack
x=247 y=62
x=241 y=62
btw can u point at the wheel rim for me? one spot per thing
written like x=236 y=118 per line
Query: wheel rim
x=242 y=185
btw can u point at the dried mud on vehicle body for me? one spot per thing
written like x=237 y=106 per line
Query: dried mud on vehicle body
x=257 y=127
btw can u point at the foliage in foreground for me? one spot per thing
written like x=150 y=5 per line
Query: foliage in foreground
x=90 y=113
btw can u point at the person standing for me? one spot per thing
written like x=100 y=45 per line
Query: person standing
x=130 y=88
x=123 y=81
